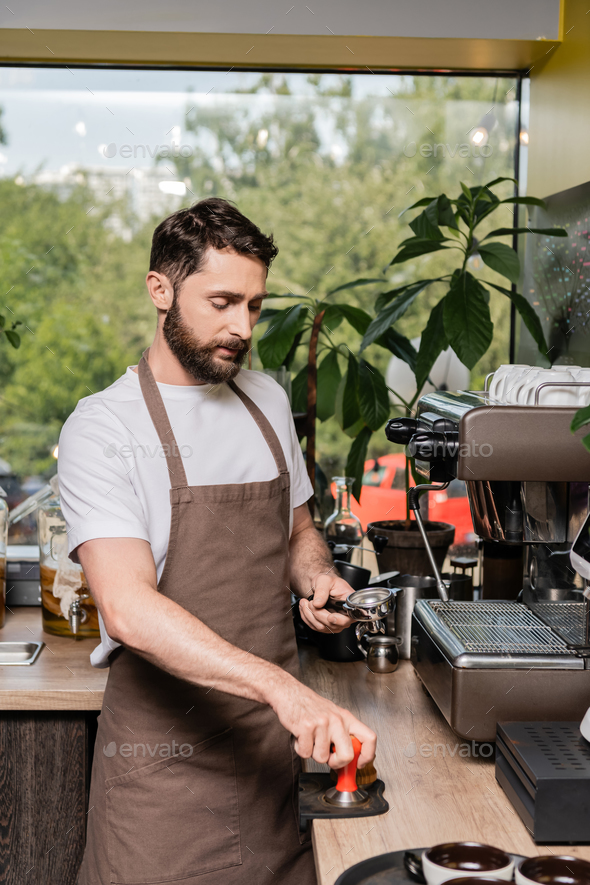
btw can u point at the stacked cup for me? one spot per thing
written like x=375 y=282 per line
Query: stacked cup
x=518 y=385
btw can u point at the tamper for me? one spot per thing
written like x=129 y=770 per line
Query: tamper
x=319 y=798
x=346 y=793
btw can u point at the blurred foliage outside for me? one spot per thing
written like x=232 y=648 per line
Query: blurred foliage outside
x=331 y=201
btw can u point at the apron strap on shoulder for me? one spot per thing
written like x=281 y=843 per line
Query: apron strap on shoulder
x=157 y=410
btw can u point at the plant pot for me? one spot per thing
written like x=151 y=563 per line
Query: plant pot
x=404 y=549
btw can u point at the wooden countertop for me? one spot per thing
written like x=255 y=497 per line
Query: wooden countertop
x=432 y=798
x=435 y=794
x=61 y=678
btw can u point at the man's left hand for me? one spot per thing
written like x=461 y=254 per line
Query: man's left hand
x=313 y=612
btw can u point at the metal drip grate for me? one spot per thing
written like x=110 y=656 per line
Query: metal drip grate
x=566 y=618
x=498 y=628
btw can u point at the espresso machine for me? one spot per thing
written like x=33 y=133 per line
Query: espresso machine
x=527 y=478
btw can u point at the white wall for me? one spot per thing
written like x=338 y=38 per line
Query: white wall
x=499 y=19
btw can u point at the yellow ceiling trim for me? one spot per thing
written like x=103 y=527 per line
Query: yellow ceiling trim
x=264 y=50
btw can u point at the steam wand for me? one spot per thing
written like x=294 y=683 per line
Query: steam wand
x=414 y=504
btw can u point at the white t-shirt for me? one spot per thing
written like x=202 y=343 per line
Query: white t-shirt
x=113 y=476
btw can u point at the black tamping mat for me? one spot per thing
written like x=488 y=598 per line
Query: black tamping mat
x=386 y=869
x=313 y=785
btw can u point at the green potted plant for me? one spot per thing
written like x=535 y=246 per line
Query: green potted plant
x=358 y=396
x=460 y=319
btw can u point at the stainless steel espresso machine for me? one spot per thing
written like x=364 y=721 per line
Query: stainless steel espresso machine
x=527 y=478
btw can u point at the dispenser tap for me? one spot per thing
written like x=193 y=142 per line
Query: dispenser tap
x=76 y=614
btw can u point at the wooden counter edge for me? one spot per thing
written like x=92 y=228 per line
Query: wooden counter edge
x=35 y=699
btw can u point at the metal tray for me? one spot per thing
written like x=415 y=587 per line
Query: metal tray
x=386 y=869
x=19 y=654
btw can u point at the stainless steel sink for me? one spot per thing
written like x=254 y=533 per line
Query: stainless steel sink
x=19 y=654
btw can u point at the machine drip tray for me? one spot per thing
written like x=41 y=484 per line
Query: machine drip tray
x=544 y=769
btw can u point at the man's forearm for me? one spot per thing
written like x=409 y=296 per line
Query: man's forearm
x=176 y=641
x=309 y=555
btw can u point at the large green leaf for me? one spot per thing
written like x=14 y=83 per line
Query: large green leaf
x=329 y=377
x=485 y=202
x=288 y=361
x=425 y=225
x=399 y=346
x=355 y=463
x=508 y=231
x=391 y=314
x=358 y=319
x=355 y=283
x=527 y=201
x=332 y=318
x=276 y=342
x=446 y=215
x=432 y=342
x=467 y=321
x=347 y=408
x=385 y=297
x=299 y=391
x=423 y=202
x=267 y=313
x=501 y=258
x=416 y=247
x=373 y=396
x=580 y=419
x=529 y=317
x=498 y=180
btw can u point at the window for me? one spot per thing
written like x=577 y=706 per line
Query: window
x=92 y=158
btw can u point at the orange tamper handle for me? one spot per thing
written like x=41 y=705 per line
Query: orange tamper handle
x=347 y=775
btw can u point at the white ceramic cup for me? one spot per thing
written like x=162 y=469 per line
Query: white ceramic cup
x=582 y=375
x=558 y=396
x=514 y=380
x=467 y=859
x=524 y=392
x=498 y=382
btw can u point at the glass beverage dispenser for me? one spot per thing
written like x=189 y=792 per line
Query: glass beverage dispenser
x=67 y=607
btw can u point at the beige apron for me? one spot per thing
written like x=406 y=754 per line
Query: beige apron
x=190 y=784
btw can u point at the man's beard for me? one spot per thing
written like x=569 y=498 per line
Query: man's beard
x=198 y=359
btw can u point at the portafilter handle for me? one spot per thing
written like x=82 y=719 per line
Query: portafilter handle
x=414 y=503
x=370 y=606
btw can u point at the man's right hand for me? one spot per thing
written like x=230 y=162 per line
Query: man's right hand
x=317 y=723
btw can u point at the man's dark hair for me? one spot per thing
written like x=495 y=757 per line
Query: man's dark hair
x=179 y=243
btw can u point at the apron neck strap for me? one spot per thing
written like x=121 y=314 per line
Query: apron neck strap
x=155 y=404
